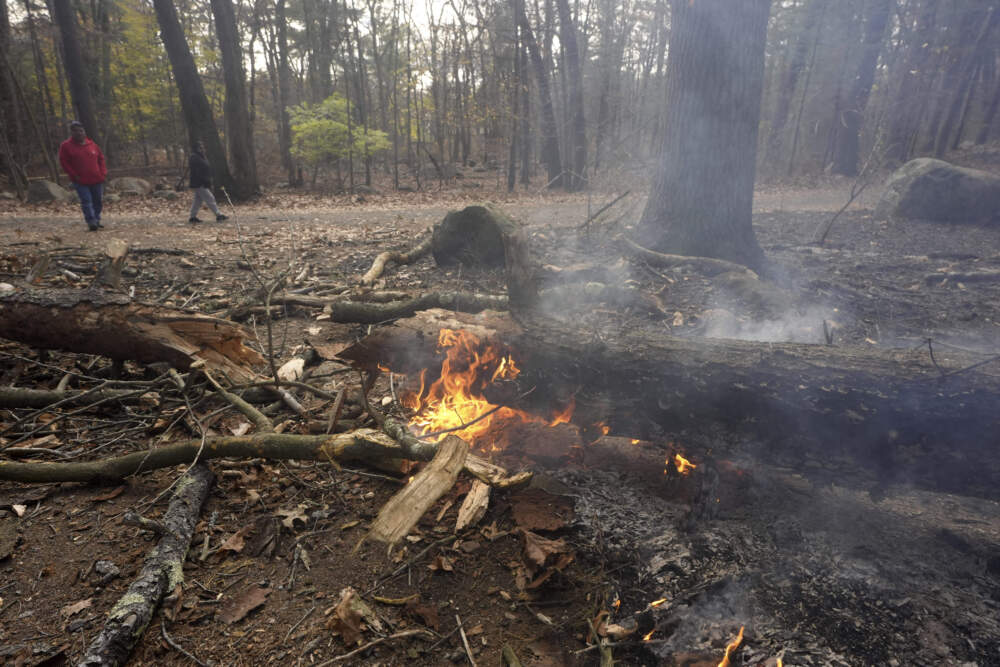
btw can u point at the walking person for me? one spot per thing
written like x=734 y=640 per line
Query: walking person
x=83 y=162
x=201 y=183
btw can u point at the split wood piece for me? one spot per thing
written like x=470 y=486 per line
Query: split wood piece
x=474 y=506
x=707 y=265
x=378 y=266
x=375 y=313
x=109 y=274
x=19 y=397
x=162 y=574
x=398 y=516
x=109 y=324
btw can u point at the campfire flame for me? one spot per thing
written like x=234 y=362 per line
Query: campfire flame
x=657 y=603
x=683 y=465
x=649 y=635
x=731 y=648
x=455 y=400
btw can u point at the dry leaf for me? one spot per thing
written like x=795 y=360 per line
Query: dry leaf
x=237 y=540
x=290 y=516
x=237 y=609
x=346 y=618
x=76 y=607
x=427 y=613
x=441 y=563
x=331 y=350
x=538 y=549
x=291 y=371
x=241 y=429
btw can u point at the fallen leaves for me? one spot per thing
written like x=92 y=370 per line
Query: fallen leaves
x=76 y=607
x=350 y=616
x=236 y=609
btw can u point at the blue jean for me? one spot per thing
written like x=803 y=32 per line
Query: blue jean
x=91 y=201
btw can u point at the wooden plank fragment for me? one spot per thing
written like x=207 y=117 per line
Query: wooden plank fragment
x=398 y=516
x=474 y=506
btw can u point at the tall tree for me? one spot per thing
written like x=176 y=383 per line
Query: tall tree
x=578 y=133
x=702 y=195
x=194 y=104
x=284 y=75
x=847 y=147
x=550 y=139
x=914 y=75
x=237 y=110
x=76 y=72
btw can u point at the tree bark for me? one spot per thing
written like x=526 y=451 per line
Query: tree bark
x=162 y=573
x=567 y=35
x=550 y=138
x=237 y=110
x=106 y=323
x=194 y=104
x=284 y=94
x=847 y=150
x=702 y=194
x=908 y=104
x=76 y=72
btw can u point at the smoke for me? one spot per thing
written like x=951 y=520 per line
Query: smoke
x=812 y=324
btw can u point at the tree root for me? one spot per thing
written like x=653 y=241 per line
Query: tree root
x=378 y=266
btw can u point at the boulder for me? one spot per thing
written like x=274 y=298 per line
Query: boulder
x=42 y=190
x=929 y=189
x=130 y=185
x=169 y=195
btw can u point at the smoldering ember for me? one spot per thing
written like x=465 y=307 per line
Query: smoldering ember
x=500 y=333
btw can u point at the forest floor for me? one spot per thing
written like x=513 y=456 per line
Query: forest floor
x=818 y=568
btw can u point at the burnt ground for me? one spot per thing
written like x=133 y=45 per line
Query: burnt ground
x=818 y=568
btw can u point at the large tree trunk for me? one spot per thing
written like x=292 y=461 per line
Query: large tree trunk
x=107 y=323
x=908 y=102
x=240 y=129
x=550 y=138
x=578 y=134
x=702 y=194
x=891 y=411
x=284 y=94
x=76 y=72
x=847 y=148
x=194 y=104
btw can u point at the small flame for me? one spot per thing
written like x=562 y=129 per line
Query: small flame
x=780 y=663
x=635 y=441
x=657 y=603
x=683 y=465
x=617 y=603
x=603 y=428
x=649 y=635
x=731 y=648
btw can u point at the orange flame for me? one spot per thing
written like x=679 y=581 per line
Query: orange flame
x=649 y=635
x=683 y=465
x=731 y=648
x=657 y=603
x=456 y=399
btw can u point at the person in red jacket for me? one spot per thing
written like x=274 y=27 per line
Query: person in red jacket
x=83 y=162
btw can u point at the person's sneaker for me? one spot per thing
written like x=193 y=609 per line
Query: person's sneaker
x=93 y=226
x=194 y=220
x=100 y=225
x=221 y=217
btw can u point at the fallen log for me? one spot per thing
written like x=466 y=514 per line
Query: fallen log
x=109 y=324
x=162 y=573
x=898 y=413
x=20 y=397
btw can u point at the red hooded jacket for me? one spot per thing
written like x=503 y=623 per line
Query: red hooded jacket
x=83 y=163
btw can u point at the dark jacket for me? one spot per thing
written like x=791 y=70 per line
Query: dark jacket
x=201 y=171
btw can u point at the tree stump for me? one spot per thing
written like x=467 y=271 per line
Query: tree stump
x=473 y=236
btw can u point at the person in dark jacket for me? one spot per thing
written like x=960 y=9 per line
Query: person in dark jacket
x=83 y=162
x=201 y=183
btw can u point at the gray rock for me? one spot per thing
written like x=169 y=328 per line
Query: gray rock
x=7 y=195
x=169 y=195
x=130 y=184
x=43 y=190
x=928 y=189
x=112 y=197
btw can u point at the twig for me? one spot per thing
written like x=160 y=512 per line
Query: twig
x=298 y=623
x=177 y=647
x=253 y=414
x=375 y=642
x=465 y=640
x=604 y=208
x=338 y=406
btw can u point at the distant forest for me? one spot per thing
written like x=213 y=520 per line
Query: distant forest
x=553 y=93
